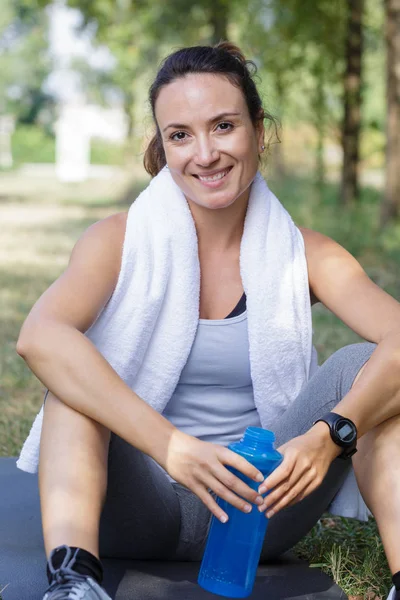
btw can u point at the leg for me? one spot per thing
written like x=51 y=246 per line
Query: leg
x=377 y=469
x=81 y=471
x=147 y=517
x=323 y=392
x=72 y=476
x=141 y=517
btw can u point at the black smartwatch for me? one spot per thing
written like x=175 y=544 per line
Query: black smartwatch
x=343 y=433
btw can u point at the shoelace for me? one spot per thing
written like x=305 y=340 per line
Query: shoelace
x=67 y=585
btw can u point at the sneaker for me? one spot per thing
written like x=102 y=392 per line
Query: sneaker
x=392 y=595
x=69 y=585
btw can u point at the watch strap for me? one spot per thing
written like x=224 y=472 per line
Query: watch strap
x=331 y=419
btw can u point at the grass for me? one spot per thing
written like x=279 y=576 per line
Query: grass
x=38 y=233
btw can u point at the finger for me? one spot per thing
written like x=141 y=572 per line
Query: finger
x=209 y=501
x=234 y=483
x=290 y=496
x=309 y=489
x=225 y=493
x=281 y=473
x=228 y=457
x=282 y=489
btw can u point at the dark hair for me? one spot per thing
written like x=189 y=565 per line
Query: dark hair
x=224 y=59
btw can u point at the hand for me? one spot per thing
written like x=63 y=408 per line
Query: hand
x=304 y=466
x=200 y=466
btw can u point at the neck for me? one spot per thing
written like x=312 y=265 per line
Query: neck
x=219 y=230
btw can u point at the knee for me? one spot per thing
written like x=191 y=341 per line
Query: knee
x=345 y=364
x=384 y=438
x=352 y=352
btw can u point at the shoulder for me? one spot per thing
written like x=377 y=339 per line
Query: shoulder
x=314 y=240
x=327 y=262
x=338 y=280
x=110 y=228
x=83 y=289
x=102 y=242
x=320 y=247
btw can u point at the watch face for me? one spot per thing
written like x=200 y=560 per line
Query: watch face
x=345 y=432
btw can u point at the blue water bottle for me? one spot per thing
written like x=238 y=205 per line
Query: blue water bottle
x=233 y=549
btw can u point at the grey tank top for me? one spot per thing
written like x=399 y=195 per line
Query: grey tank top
x=213 y=399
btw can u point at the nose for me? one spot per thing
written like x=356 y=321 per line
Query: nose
x=205 y=152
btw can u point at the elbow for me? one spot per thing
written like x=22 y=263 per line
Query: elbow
x=28 y=341
x=24 y=346
x=20 y=348
x=38 y=338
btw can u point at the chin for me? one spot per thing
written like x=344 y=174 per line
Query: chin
x=215 y=200
x=215 y=204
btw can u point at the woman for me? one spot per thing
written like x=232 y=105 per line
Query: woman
x=143 y=336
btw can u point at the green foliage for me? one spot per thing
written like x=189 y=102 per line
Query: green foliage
x=357 y=228
x=103 y=152
x=24 y=60
x=139 y=34
x=31 y=144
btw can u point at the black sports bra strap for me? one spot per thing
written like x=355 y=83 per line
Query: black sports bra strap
x=239 y=308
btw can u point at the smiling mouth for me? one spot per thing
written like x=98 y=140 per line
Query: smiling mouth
x=215 y=177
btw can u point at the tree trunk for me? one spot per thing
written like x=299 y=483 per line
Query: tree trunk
x=278 y=157
x=129 y=109
x=391 y=200
x=320 y=118
x=219 y=20
x=352 y=103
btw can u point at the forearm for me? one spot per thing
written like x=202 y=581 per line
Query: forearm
x=73 y=369
x=375 y=397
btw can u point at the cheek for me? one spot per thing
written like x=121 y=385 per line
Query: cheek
x=249 y=157
x=176 y=158
x=246 y=145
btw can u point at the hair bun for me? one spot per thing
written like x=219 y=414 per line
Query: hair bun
x=233 y=50
x=236 y=52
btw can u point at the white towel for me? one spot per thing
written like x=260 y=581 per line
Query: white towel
x=147 y=329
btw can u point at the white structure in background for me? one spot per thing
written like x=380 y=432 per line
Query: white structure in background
x=7 y=124
x=77 y=124
x=72 y=144
x=107 y=123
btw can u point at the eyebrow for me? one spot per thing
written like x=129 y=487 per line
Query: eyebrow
x=223 y=115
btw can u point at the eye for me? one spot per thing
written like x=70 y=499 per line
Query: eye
x=225 y=126
x=179 y=136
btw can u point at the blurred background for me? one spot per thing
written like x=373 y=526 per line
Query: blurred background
x=74 y=123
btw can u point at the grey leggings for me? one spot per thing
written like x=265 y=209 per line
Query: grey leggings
x=145 y=516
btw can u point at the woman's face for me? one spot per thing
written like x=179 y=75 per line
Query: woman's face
x=210 y=143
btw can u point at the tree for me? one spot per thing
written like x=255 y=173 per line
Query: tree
x=352 y=102
x=24 y=61
x=139 y=33
x=219 y=14
x=299 y=43
x=391 y=200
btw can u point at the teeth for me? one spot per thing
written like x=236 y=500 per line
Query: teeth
x=214 y=177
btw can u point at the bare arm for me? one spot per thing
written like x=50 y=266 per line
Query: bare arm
x=340 y=283
x=53 y=343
